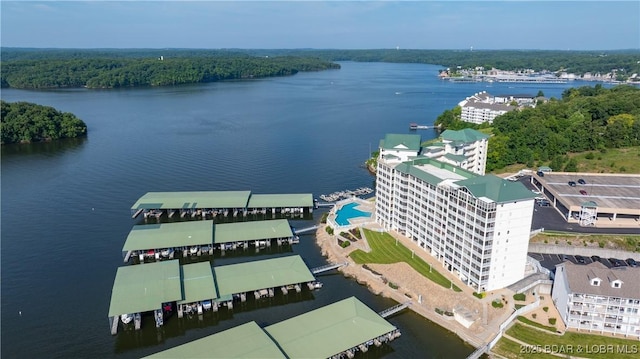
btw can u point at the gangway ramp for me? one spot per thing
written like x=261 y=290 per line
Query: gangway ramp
x=327 y=267
x=304 y=230
x=393 y=310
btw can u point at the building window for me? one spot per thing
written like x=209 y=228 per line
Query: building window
x=595 y=282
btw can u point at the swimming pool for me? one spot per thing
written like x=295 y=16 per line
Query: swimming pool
x=347 y=212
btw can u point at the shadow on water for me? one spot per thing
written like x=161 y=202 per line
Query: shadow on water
x=50 y=149
x=130 y=339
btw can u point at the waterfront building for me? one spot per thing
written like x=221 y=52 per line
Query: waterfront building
x=466 y=148
x=481 y=108
x=594 y=298
x=477 y=226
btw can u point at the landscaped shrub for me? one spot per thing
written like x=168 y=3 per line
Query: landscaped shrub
x=324 y=217
x=345 y=244
x=518 y=306
x=448 y=314
x=497 y=304
x=329 y=230
x=520 y=296
x=393 y=285
x=355 y=232
x=439 y=311
x=552 y=321
x=534 y=315
x=546 y=309
x=478 y=295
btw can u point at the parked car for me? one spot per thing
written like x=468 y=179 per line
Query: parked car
x=581 y=181
x=572 y=183
x=632 y=262
x=580 y=259
x=540 y=173
x=583 y=192
x=617 y=262
x=595 y=258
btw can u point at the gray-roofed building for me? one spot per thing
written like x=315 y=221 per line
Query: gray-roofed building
x=482 y=107
x=477 y=226
x=595 y=298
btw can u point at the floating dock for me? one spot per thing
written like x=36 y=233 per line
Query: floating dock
x=334 y=331
x=415 y=126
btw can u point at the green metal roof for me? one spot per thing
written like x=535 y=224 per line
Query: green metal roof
x=496 y=188
x=329 y=330
x=169 y=235
x=280 y=200
x=253 y=230
x=457 y=158
x=397 y=141
x=269 y=273
x=244 y=341
x=197 y=282
x=144 y=287
x=409 y=168
x=191 y=200
x=465 y=135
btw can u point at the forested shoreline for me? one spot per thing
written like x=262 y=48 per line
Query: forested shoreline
x=584 y=119
x=140 y=72
x=25 y=122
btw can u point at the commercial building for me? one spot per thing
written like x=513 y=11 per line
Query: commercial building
x=594 y=298
x=477 y=226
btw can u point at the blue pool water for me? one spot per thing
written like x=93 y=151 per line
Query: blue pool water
x=348 y=211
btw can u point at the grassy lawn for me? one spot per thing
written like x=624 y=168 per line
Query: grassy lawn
x=385 y=251
x=510 y=349
x=588 y=343
x=536 y=324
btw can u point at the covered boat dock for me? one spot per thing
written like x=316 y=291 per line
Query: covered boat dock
x=198 y=288
x=210 y=204
x=262 y=277
x=244 y=341
x=138 y=289
x=333 y=331
x=194 y=238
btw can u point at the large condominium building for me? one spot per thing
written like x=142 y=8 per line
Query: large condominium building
x=481 y=108
x=594 y=298
x=466 y=148
x=477 y=226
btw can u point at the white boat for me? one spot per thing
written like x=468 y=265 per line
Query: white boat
x=193 y=250
x=126 y=318
x=206 y=305
x=316 y=285
x=166 y=252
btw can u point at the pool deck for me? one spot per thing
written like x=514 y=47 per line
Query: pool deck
x=363 y=205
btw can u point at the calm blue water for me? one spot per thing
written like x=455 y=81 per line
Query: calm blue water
x=66 y=206
x=347 y=212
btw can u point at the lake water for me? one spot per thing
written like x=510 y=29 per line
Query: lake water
x=66 y=206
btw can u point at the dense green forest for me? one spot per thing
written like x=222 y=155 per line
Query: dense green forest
x=585 y=118
x=28 y=122
x=133 y=72
x=578 y=62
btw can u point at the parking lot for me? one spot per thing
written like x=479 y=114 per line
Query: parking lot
x=550 y=261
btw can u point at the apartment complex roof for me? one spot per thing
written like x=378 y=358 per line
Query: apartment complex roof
x=169 y=235
x=269 y=273
x=142 y=288
x=579 y=278
x=197 y=282
x=281 y=200
x=465 y=135
x=250 y=231
x=400 y=142
x=329 y=330
x=244 y=341
x=496 y=188
x=432 y=171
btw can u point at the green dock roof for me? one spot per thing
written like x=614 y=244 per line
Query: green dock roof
x=144 y=287
x=197 y=282
x=269 y=273
x=169 y=235
x=192 y=200
x=253 y=230
x=281 y=200
x=329 y=330
x=244 y=341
